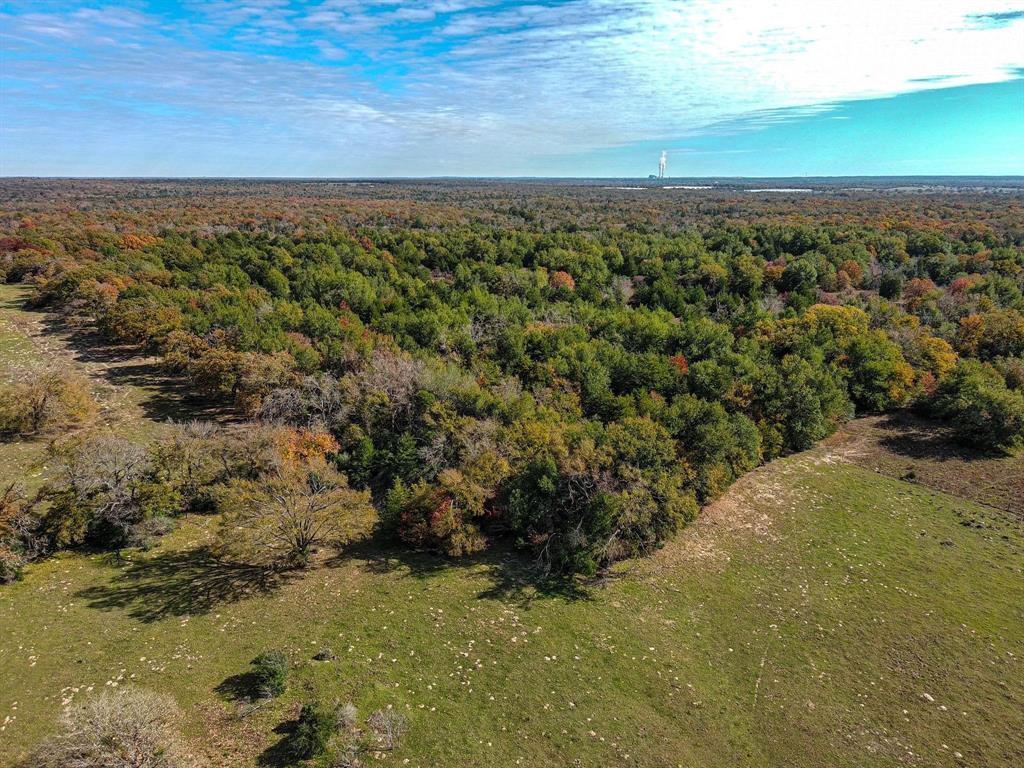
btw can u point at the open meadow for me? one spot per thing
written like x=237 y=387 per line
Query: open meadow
x=819 y=614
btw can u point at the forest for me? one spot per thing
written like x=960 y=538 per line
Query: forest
x=571 y=371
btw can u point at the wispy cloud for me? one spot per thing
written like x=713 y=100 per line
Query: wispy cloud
x=347 y=87
x=996 y=19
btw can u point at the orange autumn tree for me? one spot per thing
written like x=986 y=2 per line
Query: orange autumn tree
x=136 y=242
x=300 y=447
x=562 y=281
x=680 y=363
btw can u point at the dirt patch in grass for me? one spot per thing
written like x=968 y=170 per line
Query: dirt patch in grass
x=916 y=450
x=739 y=513
x=900 y=446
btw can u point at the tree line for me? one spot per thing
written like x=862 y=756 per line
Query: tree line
x=579 y=391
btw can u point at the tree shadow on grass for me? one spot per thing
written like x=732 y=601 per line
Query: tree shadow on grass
x=241 y=687
x=281 y=754
x=180 y=583
x=167 y=396
x=513 y=577
x=914 y=437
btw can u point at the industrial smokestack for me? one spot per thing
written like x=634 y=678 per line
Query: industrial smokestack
x=662 y=163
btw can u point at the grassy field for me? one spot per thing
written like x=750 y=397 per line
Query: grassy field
x=914 y=449
x=820 y=614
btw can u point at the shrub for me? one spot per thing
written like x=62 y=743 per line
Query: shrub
x=982 y=411
x=44 y=401
x=346 y=716
x=388 y=727
x=19 y=541
x=317 y=724
x=11 y=563
x=127 y=728
x=344 y=741
x=270 y=670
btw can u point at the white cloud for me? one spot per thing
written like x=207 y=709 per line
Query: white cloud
x=467 y=86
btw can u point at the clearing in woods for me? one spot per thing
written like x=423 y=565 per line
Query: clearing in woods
x=824 y=612
x=134 y=396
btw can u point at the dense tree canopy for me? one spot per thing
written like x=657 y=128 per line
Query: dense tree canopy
x=580 y=387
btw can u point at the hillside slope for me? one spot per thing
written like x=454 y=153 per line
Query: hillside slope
x=819 y=614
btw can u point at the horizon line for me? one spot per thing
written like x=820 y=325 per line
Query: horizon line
x=805 y=177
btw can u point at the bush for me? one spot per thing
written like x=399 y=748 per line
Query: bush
x=19 y=541
x=270 y=670
x=346 y=716
x=11 y=563
x=44 y=401
x=336 y=731
x=983 y=412
x=388 y=727
x=127 y=728
x=317 y=724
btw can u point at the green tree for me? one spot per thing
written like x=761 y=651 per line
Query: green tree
x=983 y=412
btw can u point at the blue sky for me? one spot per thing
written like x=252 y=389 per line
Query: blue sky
x=478 y=87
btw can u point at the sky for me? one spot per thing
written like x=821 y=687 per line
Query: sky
x=588 y=88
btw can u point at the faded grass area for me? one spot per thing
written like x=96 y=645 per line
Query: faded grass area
x=917 y=450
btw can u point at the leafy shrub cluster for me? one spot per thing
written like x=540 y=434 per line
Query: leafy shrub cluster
x=580 y=390
x=270 y=674
x=333 y=733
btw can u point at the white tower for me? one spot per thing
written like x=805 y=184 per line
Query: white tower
x=662 y=163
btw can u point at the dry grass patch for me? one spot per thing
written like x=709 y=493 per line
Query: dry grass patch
x=917 y=450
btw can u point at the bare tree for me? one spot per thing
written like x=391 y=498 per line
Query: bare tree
x=397 y=377
x=127 y=728
x=319 y=402
x=99 y=482
x=246 y=451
